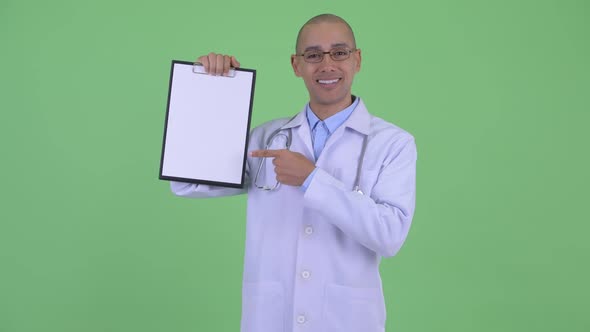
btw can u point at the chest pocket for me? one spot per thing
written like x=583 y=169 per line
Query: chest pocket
x=368 y=178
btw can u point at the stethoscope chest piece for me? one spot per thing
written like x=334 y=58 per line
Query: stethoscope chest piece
x=358 y=190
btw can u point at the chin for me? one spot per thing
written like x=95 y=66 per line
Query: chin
x=329 y=100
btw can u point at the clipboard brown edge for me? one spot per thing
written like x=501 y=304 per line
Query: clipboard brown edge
x=201 y=181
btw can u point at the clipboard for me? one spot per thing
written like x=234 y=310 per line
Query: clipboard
x=207 y=125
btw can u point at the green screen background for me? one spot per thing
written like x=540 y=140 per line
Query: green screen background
x=497 y=94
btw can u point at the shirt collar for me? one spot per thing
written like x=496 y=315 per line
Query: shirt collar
x=334 y=121
x=359 y=120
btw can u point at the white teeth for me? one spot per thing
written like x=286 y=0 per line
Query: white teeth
x=328 y=81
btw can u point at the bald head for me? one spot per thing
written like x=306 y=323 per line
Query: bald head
x=324 y=18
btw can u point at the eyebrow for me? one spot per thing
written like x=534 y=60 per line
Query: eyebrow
x=317 y=47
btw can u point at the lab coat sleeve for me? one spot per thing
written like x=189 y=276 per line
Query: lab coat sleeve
x=380 y=222
x=193 y=190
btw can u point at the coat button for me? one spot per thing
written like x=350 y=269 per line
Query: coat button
x=301 y=319
x=305 y=274
x=308 y=230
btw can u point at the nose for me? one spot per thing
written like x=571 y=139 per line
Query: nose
x=327 y=63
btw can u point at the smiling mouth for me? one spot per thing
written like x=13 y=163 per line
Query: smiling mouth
x=327 y=82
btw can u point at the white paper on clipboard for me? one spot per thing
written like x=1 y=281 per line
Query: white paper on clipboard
x=207 y=126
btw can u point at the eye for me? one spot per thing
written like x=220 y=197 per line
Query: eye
x=312 y=55
x=340 y=53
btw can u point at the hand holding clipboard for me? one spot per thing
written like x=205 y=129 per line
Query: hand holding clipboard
x=218 y=64
x=207 y=122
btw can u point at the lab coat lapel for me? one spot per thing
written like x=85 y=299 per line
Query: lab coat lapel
x=359 y=120
x=300 y=126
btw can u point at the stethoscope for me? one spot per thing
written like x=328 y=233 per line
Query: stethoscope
x=288 y=138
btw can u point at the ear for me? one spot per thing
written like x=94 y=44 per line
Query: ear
x=295 y=65
x=358 y=58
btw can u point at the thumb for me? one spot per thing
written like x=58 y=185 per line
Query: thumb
x=234 y=62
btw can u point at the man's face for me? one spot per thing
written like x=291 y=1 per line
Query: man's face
x=328 y=82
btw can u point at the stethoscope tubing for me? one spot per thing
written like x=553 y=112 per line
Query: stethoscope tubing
x=289 y=137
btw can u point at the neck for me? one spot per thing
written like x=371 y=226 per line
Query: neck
x=323 y=111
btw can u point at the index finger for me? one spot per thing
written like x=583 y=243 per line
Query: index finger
x=204 y=60
x=266 y=153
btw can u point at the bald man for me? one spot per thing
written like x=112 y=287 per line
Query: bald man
x=328 y=206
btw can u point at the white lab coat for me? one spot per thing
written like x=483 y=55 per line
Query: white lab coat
x=312 y=259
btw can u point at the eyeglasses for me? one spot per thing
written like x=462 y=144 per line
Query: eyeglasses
x=337 y=54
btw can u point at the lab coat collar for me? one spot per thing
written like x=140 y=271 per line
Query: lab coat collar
x=359 y=120
x=297 y=121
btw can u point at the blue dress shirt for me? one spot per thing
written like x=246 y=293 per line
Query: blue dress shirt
x=321 y=131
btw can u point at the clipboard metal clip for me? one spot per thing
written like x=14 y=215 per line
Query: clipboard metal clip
x=199 y=69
